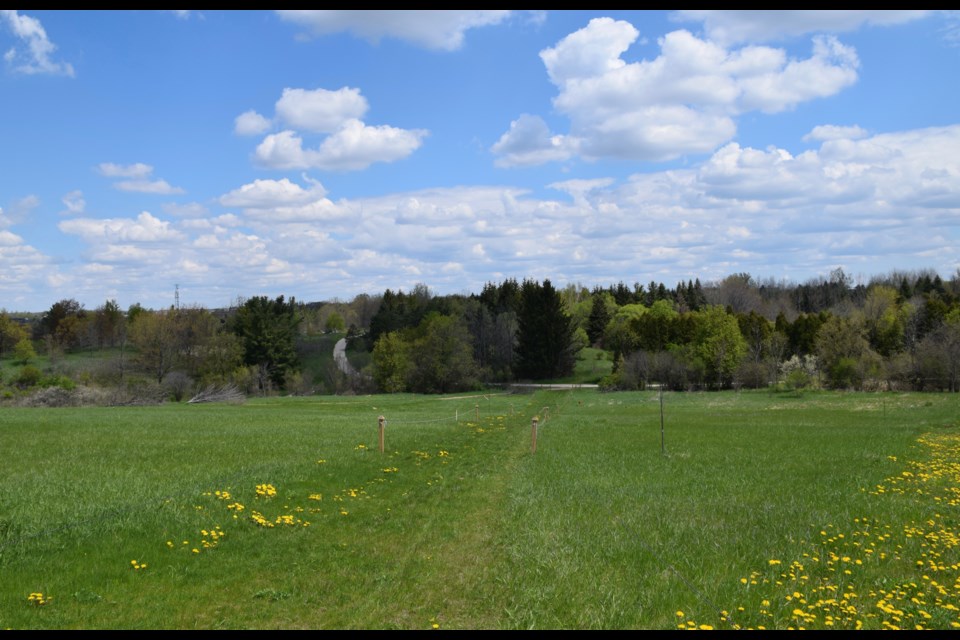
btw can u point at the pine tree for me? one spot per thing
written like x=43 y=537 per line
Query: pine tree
x=545 y=334
x=599 y=318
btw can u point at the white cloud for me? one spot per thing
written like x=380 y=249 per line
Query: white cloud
x=320 y=110
x=350 y=144
x=832 y=68
x=579 y=188
x=581 y=185
x=890 y=199
x=835 y=132
x=262 y=194
x=74 y=202
x=250 y=123
x=18 y=210
x=146 y=228
x=160 y=187
x=354 y=146
x=227 y=220
x=37 y=56
x=8 y=239
x=357 y=146
x=138 y=255
x=284 y=150
x=24 y=271
x=419 y=211
x=441 y=29
x=529 y=142
x=140 y=178
x=682 y=102
x=730 y=27
x=274 y=201
x=137 y=170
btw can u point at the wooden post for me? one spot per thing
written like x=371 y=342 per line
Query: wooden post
x=382 y=422
x=533 y=435
x=477 y=407
x=662 y=446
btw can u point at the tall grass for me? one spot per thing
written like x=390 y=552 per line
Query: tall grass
x=283 y=514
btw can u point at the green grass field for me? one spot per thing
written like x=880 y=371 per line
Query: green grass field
x=821 y=510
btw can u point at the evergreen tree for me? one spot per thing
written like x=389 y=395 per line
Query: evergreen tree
x=545 y=346
x=599 y=318
x=268 y=330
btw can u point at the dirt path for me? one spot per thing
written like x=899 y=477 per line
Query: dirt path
x=340 y=357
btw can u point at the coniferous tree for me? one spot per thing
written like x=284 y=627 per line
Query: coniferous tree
x=545 y=346
x=599 y=318
x=268 y=330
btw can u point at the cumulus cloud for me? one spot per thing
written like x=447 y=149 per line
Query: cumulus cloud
x=139 y=178
x=320 y=110
x=273 y=201
x=23 y=271
x=731 y=27
x=8 y=239
x=261 y=194
x=356 y=145
x=864 y=202
x=145 y=228
x=529 y=142
x=433 y=29
x=352 y=147
x=348 y=143
x=251 y=123
x=682 y=102
x=860 y=200
x=835 y=132
x=36 y=54
x=578 y=188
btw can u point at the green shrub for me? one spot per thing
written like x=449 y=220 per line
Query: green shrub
x=846 y=374
x=55 y=380
x=29 y=376
x=611 y=382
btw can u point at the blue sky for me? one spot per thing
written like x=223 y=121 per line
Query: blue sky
x=323 y=154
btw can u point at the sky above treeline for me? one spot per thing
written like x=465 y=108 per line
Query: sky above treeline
x=324 y=154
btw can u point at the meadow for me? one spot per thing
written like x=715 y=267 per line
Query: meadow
x=736 y=510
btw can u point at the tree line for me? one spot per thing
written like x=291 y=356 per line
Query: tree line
x=900 y=330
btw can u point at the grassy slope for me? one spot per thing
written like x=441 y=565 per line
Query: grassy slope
x=457 y=523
